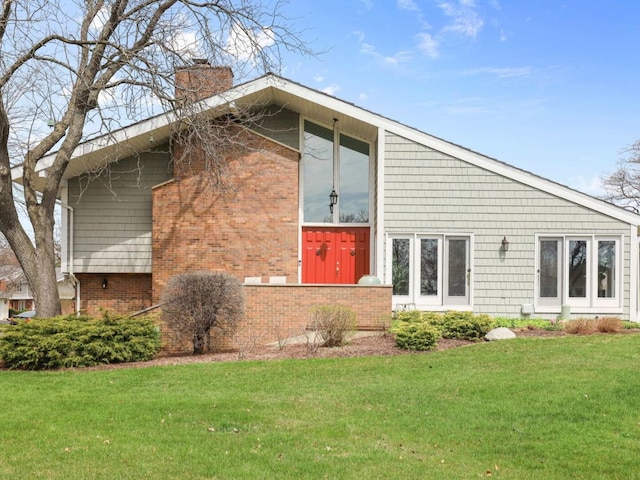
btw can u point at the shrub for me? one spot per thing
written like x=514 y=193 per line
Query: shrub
x=609 y=325
x=72 y=341
x=333 y=323
x=408 y=316
x=417 y=335
x=579 y=326
x=465 y=325
x=195 y=303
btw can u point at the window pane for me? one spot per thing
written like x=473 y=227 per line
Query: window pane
x=578 y=268
x=318 y=172
x=400 y=265
x=354 y=180
x=606 y=268
x=457 y=268
x=549 y=262
x=428 y=267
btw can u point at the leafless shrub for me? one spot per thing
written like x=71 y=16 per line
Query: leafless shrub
x=281 y=333
x=247 y=342
x=195 y=303
x=333 y=323
x=383 y=324
x=313 y=340
x=579 y=326
x=609 y=325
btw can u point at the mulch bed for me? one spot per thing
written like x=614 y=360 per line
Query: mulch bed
x=375 y=345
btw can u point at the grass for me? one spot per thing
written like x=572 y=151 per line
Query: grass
x=523 y=409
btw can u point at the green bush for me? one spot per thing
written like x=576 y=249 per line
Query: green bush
x=408 y=316
x=333 y=323
x=72 y=341
x=465 y=325
x=417 y=335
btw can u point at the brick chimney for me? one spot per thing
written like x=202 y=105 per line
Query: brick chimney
x=201 y=80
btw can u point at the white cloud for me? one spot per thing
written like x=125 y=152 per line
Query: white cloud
x=465 y=20
x=245 y=45
x=186 y=43
x=397 y=58
x=589 y=185
x=331 y=89
x=318 y=78
x=504 y=72
x=100 y=19
x=368 y=4
x=363 y=96
x=428 y=45
x=408 y=5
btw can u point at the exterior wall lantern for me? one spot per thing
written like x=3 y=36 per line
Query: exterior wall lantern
x=333 y=199
x=505 y=244
x=104 y=283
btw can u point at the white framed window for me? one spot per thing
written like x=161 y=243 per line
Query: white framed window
x=333 y=162
x=584 y=272
x=430 y=271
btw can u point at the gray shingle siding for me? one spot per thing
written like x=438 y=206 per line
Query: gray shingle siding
x=430 y=192
x=113 y=215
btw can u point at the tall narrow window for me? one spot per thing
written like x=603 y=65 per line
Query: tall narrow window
x=457 y=268
x=318 y=172
x=578 y=268
x=401 y=264
x=334 y=161
x=428 y=267
x=606 y=269
x=354 y=181
x=549 y=268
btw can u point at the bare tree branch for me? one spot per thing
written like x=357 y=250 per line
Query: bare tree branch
x=622 y=187
x=91 y=66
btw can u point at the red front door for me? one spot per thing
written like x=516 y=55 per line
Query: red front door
x=334 y=254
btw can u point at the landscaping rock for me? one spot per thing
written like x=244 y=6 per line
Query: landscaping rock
x=501 y=333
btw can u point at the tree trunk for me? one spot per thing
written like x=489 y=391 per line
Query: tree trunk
x=38 y=264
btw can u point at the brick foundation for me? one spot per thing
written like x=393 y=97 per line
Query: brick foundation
x=275 y=312
x=124 y=292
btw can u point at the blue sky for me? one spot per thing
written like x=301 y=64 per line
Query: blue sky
x=552 y=87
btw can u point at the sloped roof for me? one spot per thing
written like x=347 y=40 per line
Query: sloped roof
x=273 y=89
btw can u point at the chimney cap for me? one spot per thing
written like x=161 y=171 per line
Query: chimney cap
x=200 y=61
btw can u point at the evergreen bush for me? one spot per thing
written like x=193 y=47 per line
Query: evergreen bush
x=417 y=335
x=72 y=341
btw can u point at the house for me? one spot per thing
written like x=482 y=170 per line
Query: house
x=325 y=192
x=15 y=293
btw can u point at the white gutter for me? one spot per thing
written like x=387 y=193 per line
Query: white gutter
x=67 y=243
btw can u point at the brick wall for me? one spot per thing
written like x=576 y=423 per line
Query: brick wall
x=201 y=80
x=276 y=312
x=249 y=230
x=125 y=292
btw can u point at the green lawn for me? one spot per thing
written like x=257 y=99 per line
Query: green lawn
x=560 y=408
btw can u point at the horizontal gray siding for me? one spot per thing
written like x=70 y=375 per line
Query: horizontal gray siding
x=112 y=215
x=427 y=191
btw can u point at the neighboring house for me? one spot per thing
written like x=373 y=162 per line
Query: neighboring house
x=448 y=228
x=15 y=293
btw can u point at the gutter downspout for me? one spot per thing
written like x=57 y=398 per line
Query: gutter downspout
x=70 y=257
